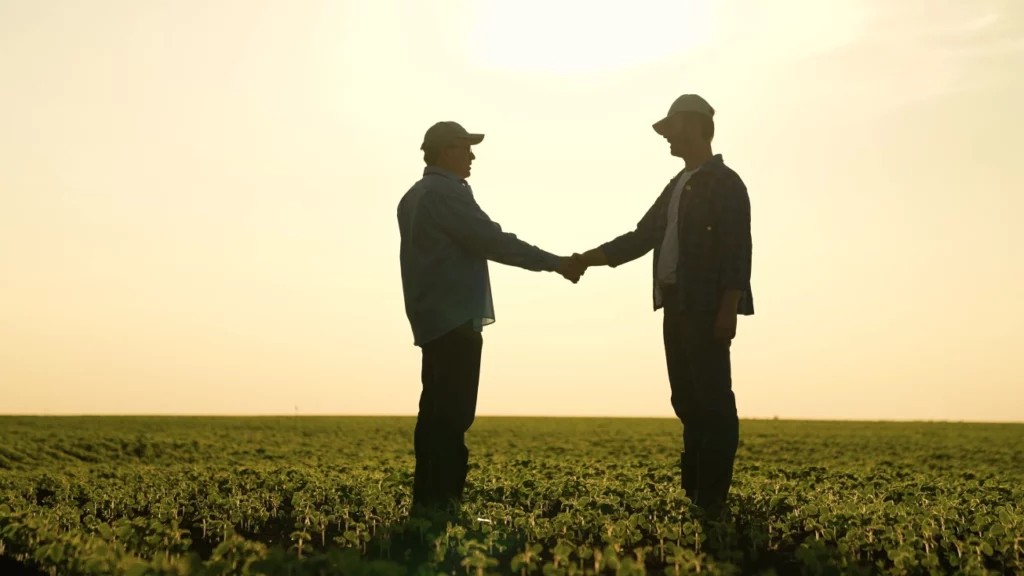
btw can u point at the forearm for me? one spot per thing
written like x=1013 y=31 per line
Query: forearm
x=511 y=251
x=730 y=300
x=595 y=257
x=632 y=244
x=626 y=248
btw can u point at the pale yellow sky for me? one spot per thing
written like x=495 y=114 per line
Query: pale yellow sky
x=197 y=200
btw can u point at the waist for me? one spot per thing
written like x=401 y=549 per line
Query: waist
x=670 y=296
x=691 y=296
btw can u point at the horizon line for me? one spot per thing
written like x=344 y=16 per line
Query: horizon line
x=506 y=416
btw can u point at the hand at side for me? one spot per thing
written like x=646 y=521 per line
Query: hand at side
x=725 y=320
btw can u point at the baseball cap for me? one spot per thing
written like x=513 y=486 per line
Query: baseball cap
x=448 y=134
x=685 y=103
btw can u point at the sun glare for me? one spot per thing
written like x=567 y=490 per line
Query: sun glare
x=585 y=36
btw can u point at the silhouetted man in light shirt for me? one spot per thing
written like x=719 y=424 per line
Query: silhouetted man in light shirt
x=447 y=240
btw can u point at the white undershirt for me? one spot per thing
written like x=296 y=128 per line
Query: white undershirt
x=669 y=256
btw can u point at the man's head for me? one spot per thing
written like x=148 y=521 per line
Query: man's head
x=689 y=125
x=447 y=145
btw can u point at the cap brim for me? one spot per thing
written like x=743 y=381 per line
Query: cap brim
x=660 y=125
x=472 y=139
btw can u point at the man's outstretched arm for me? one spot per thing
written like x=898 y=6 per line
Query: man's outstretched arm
x=595 y=257
x=627 y=247
x=461 y=217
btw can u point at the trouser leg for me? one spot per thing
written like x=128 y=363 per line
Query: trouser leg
x=451 y=375
x=422 y=491
x=682 y=398
x=702 y=397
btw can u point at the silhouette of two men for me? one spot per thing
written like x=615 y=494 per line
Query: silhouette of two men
x=699 y=230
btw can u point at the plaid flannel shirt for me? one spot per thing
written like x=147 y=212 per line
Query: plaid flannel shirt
x=715 y=243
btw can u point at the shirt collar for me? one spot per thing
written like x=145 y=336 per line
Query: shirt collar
x=442 y=172
x=710 y=164
x=715 y=159
x=714 y=162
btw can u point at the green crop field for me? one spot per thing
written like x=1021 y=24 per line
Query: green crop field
x=121 y=495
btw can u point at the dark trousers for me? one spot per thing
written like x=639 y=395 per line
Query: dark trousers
x=451 y=376
x=700 y=374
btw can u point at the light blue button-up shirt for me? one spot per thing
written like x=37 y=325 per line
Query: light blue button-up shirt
x=447 y=240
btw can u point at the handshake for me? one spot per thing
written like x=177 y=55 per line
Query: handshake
x=573 y=267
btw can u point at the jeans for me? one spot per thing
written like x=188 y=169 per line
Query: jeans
x=700 y=376
x=451 y=377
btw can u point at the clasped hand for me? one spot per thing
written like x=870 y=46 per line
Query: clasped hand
x=572 y=267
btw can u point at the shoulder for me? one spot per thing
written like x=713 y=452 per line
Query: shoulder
x=413 y=193
x=434 y=183
x=728 y=183
x=428 y=190
x=440 y=195
x=431 y=187
x=724 y=174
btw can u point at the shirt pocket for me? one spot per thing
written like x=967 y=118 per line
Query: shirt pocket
x=698 y=235
x=699 y=224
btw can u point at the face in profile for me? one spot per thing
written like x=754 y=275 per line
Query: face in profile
x=683 y=133
x=459 y=159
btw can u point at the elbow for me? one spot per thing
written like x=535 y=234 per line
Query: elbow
x=735 y=273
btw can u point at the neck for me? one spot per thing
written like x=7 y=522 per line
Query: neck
x=698 y=157
x=451 y=169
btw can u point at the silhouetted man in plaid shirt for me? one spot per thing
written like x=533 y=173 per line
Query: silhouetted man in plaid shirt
x=699 y=229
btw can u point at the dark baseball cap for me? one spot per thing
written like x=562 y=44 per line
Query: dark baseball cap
x=449 y=134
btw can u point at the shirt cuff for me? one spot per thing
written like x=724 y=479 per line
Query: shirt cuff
x=553 y=262
x=610 y=256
